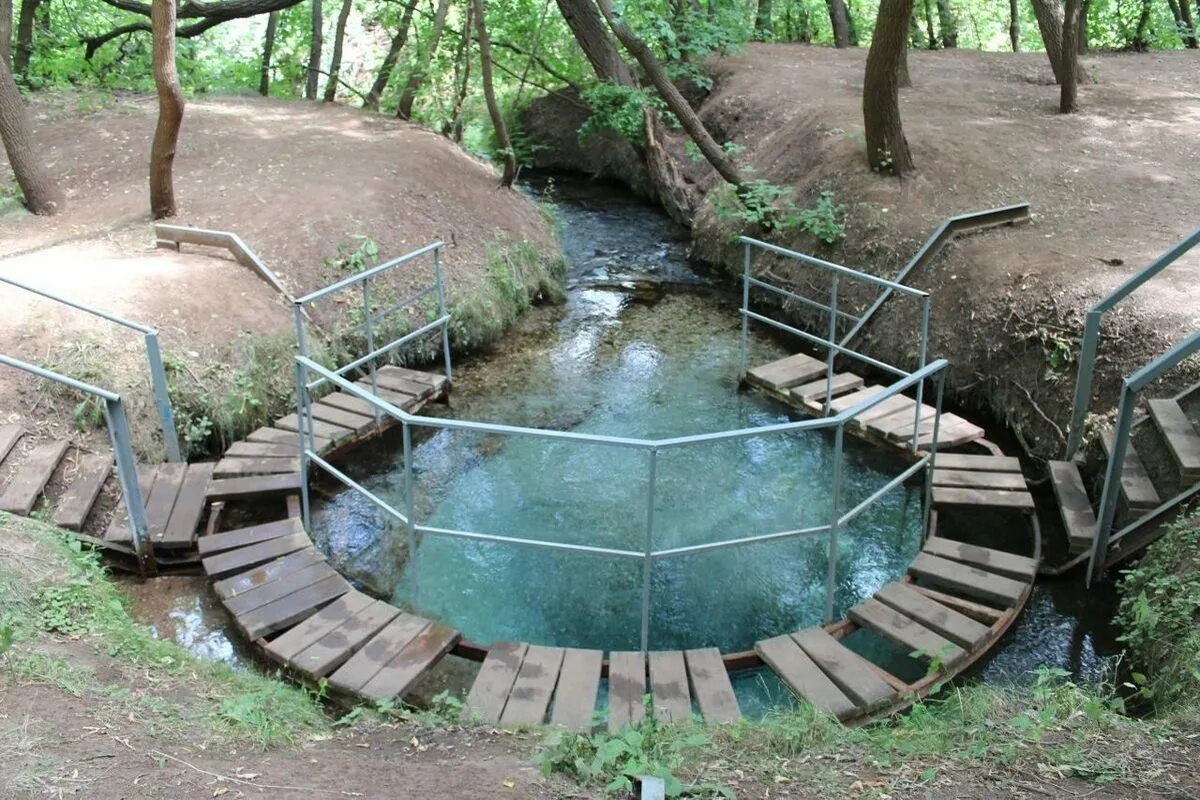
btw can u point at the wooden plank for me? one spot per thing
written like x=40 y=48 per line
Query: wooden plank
x=31 y=477
x=330 y=432
x=953 y=431
x=1074 y=507
x=885 y=408
x=430 y=379
x=669 y=686
x=348 y=402
x=976 y=611
x=1181 y=437
x=292 y=608
x=967 y=580
x=245 y=581
x=711 y=685
x=246 y=557
x=899 y=424
x=286 y=646
x=399 y=674
x=401 y=384
x=996 y=498
x=243 y=537
x=189 y=506
x=76 y=503
x=530 y=695
x=489 y=692
x=281 y=436
x=167 y=482
x=797 y=670
x=578 y=685
x=118 y=526
x=958 y=628
x=239 y=466
x=264 y=449
x=259 y=596
x=382 y=648
x=1010 y=565
x=342 y=418
x=788 y=372
x=402 y=400
x=815 y=390
x=978 y=462
x=257 y=485
x=905 y=632
x=9 y=434
x=1136 y=486
x=626 y=688
x=334 y=648
x=852 y=673
x=854 y=398
x=968 y=478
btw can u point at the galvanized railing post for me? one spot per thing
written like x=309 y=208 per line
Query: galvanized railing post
x=835 y=502
x=937 y=424
x=1083 y=381
x=305 y=442
x=162 y=397
x=1112 y=482
x=118 y=427
x=833 y=303
x=745 y=354
x=367 y=314
x=647 y=557
x=411 y=499
x=441 y=298
x=922 y=356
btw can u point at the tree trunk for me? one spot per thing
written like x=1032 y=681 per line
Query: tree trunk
x=24 y=49
x=1084 y=9
x=42 y=195
x=6 y=19
x=417 y=76
x=1068 y=100
x=489 y=96
x=850 y=23
x=462 y=79
x=762 y=20
x=903 y=78
x=1014 y=25
x=930 y=30
x=314 y=52
x=389 y=61
x=264 y=80
x=948 y=23
x=887 y=149
x=1140 y=43
x=593 y=39
x=1049 y=18
x=170 y=110
x=839 y=18
x=335 y=64
x=1189 y=22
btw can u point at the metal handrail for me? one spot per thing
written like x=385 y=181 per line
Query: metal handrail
x=158 y=377
x=118 y=433
x=1091 y=335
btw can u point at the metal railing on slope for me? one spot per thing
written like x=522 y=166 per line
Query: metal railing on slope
x=118 y=433
x=158 y=377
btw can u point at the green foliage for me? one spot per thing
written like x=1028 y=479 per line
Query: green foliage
x=614 y=108
x=762 y=204
x=7 y=633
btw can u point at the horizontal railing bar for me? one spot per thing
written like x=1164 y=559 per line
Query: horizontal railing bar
x=491 y=537
x=824 y=342
x=1148 y=517
x=51 y=375
x=1183 y=349
x=745 y=540
x=829 y=265
x=378 y=316
x=880 y=492
x=362 y=276
x=928 y=371
x=1149 y=271
x=377 y=352
x=350 y=482
x=770 y=287
x=137 y=326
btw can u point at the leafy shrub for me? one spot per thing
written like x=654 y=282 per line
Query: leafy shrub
x=614 y=108
x=762 y=204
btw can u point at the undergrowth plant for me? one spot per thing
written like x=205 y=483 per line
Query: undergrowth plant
x=765 y=205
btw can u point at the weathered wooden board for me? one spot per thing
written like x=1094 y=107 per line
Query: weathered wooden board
x=31 y=477
x=843 y=382
x=978 y=462
x=401 y=400
x=489 y=692
x=281 y=436
x=334 y=648
x=271 y=571
x=578 y=685
x=9 y=435
x=997 y=498
x=805 y=678
x=236 y=488
x=958 y=628
x=270 y=592
x=1136 y=486
x=325 y=430
x=853 y=674
x=287 y=645
x=530 y=695
x=396 y=677
x=167 y=481
x=787 y=372
x=375 y=654
x=342 y=418
x=967 y=580
x=348 y=402
x=76 y=503
x=243 y=537
x=626 y=687
x=427 y=379
x=847 y=401
x=669 y=686
x=969 y=478
x=1181 y=436
x=1010 y=565
x=246 y=557
x=189 y=506
x=118 y=527
x=711 y=685
x=906 y=632
x=292 y=608
x=290 y=450
x=241 y=466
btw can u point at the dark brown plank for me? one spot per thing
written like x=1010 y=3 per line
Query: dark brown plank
x=578 y=685
x=489 y=692
x=995 y=498
x=292 y=608
x=247 y=557
x=375 y=654
x=852 y=673
x=905 y=632
x=189 y=506
x=958 y=628
x=978 y=462
x=286 y=646
x=76 y=503
x=246 y=602
x=970 y=478
x=239 y=466
x=397 y=676
x=401 y=400
x=430 y=379
x=626 y=687
x=531 y=691
x=334 y=648
x=249 y=579
x=167 y=482
x=9 y=434
x=342 y=418
x=264 y=449
x=967 y=580
x=401 y=385
x=1136 y=485
x=669 y=686
x=325 y=430
x=237 y=488
x=1183 y=441
x=1074 y=507
x=711 y=685
x=805 y=678
x=243 y=537
x=118 y=526
x=1010 y=565
x=281 y=436
x=31 y=477
x=348 y=402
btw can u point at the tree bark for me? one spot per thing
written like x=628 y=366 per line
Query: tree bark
x=1068 y=100
x=1014 y=25
x=1049 y=18
x=887 y=148
x=389 y=61
x=42 y=195
x=170 y=110
x=1182 y=13
x=1190 y=40
x=903 y=78
x=762 y=20
x=930 y=30
x=593 y=39
x=417 y=76
x=24 y=50
x=489 y=96
x=948 y=24
x=335 y=63
x=839 y=19
x=1140 y=43
x=1084 y=9
x=314 y=52
x=6 y=20
x=264 y=80
x=462 y=78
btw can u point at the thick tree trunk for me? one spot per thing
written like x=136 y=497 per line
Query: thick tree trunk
x=170 y=110
x=839 y=19
x=762 y=20
x=24 y=49
x=930 y=30
x=462 y=78
x=6 y=20
x=489 y=96
x=314 y=52
x=417 y=76
x=1049 y=18
x=903 y=78
x=335 y=64
x=264 y=80
x=42 y=195
x=588 y=26
x=389 y=61
x=1014 y=25
x=948 y=24
x=1084 y=9
x=1068 y=100
x=887 y=149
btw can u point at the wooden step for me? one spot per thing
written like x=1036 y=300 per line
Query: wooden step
x=970 y=461
x=977 y=479
x=626 y=688
x=905 y=632
x=669 y=686
x=281 y=436
x=244 y=537
x=529 y=699
x=787 y=372
x=264 y=449
x=946 y=496
x=1010 y=565
x=392 y=661
x=489 y=691
x=255 y=576
x=425 y=383
x=335 y=647
x=843 y=382
x=852 y=399
x=73 y=508
x=118 y=527
x=332 y=433
x=168 y=479
x=31 y=477
x=294 y=606
x=401 y=400
x=804 y=677
x=237 y=488
x=967 y=580
x=1079 y=520
x=853 y=674
x=578 y=686
x=348 y=402
x=711 y=686
x=350 y=420
x=1181 y=437
x=9 y=435
x=189 y=507
x=239 y=467
x=246 y=557
x=1136 y=486
x=958 y=628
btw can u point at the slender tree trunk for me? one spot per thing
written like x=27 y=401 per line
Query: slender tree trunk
x=314 y=52
x=1014 y=25
x=389 y=61
x=916 y=36
x=1140 y=41
x=170 y=110
x=6 y=31
x=1068 y=97
x=588 y=26
x=948 y=23
x=24 y=50
x=839 y=18
x=887 y=149
x=335 y=64
x=1190 y=40
x=762 y=20
x=1049 y=18
x=1084 y=9
x=462 y=78
x=42 y=195
x=850 y=23
x=930 y=30
x=264 y=80
x=489 y=96
x=417 y=76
